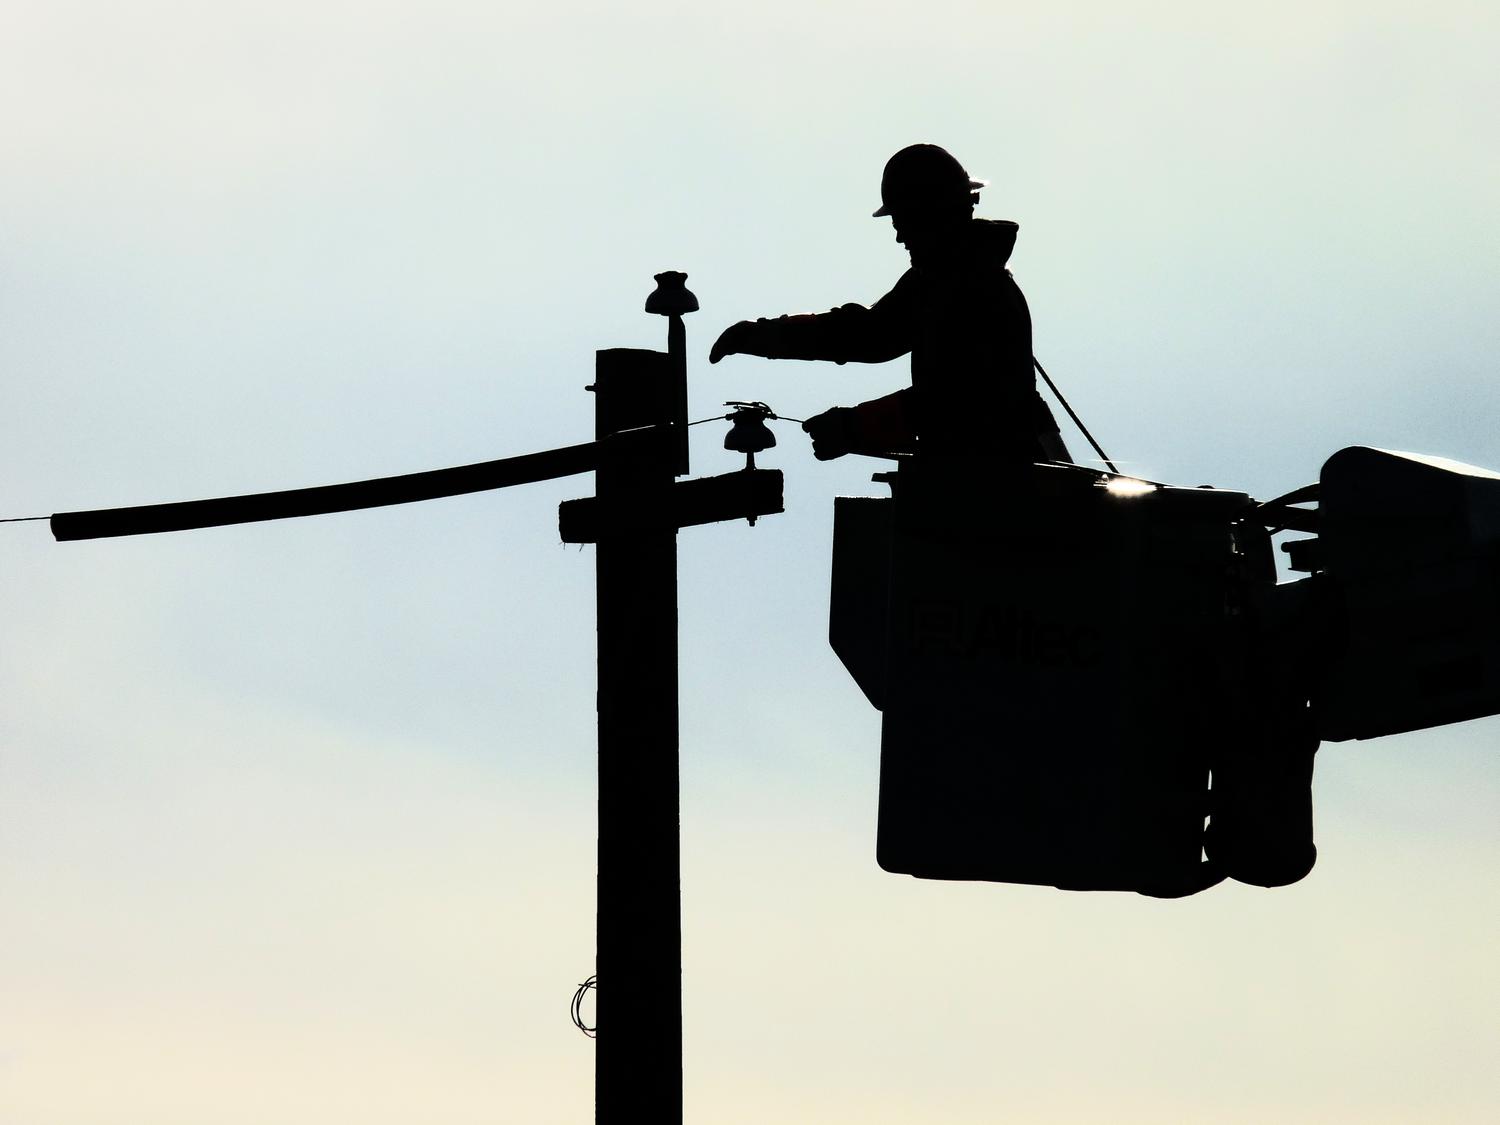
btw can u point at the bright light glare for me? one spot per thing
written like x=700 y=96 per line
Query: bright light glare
x=1124 y=486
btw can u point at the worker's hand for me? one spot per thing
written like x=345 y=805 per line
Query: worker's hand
x=734 y=339
x=832 y=432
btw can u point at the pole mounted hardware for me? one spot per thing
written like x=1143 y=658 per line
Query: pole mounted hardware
x=673 y=299
x=748 y=432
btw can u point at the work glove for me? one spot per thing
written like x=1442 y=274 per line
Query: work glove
x=734 y=339
x=879 y=428
x=832 y=432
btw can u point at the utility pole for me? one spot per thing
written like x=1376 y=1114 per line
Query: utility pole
x=638 y=1060
x=641 y=417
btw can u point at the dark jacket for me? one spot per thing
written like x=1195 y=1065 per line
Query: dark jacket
x=965 y=322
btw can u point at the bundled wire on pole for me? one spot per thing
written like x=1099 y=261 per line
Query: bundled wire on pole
x=577 y=1009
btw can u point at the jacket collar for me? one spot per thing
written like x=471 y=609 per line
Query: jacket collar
x=982 y=242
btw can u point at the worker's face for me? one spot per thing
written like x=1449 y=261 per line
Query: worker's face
x=909 y=227
x=917 y=227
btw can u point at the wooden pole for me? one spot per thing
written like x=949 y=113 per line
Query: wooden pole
x=637 y=507
x=638 y=1049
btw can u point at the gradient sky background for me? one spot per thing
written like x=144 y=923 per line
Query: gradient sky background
x=296 y=820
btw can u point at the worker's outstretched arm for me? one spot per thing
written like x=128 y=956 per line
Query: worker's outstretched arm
x=848 y=333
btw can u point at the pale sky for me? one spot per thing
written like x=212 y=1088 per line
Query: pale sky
x=296 y=820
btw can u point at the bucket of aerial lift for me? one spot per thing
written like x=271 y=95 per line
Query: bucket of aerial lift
x=1411 y=544
x=1053 y=654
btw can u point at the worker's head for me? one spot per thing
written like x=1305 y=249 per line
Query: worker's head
x=925 y=190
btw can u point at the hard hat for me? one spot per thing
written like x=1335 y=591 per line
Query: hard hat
x=922 y=175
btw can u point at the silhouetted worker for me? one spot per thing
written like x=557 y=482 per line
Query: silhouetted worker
x=959 y=313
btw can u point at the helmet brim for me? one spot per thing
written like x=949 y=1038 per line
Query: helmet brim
x=885 y=208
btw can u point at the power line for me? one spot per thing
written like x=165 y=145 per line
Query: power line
x=529 y=468
x=149 y=519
